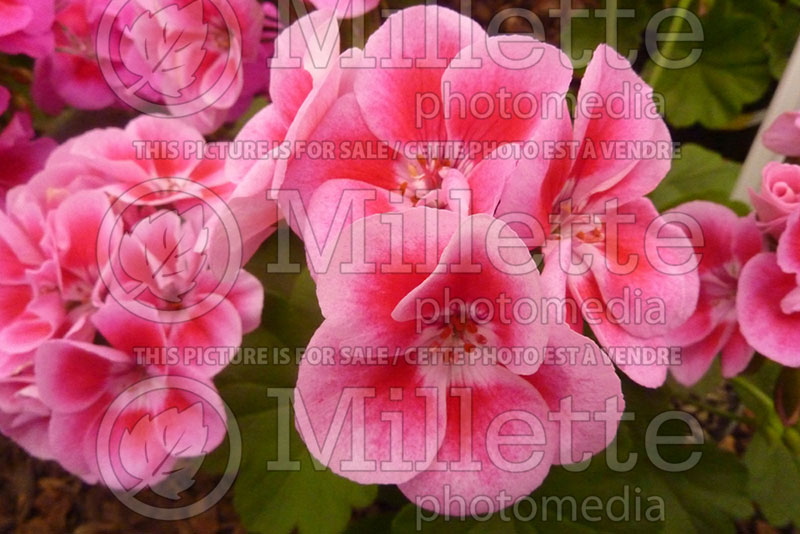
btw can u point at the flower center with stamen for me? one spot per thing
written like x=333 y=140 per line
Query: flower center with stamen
x=457 y=333
x=721 y=283
x=220 y=34
x=582 y=227
x=421 y=181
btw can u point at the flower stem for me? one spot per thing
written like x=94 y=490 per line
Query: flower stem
x=772 y=424
x=669 y=45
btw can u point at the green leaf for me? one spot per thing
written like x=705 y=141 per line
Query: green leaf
x=708 y=497
x=590 y=31
x=773 y=455
x=763 y=9
x=731 y=72
x=698 y=174
x=375 y=523
x=755 y=391
x=774 y=474
x=310 y=499
x=276 y=501
x=265 y=362
x=783 y=38
x=291 y=310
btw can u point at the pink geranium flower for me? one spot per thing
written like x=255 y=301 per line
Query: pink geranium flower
x=21 y=154
x=423 y=296
x=107 y=373
x=26 y=27
x=77 y=407
x=402 y=141
x=49 y=268
x=728 y=243
x=71 y=76
x=115 y=159
x=779 y=197
x=768 y=303
x=783 y=135
x=164 y=261
x=57 y=300
x=47 y=276
x=196 y=37
x=108 y=163
x=346 y=8
x=586 y=209
x=23 y=416
x=304 y=82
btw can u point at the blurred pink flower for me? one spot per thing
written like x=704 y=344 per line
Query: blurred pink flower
x=21 y=153
x=209 y=51
x=346 y=8
x=779 y=197
x=728 y=243
x=71 y=76
x=768 y=303
x=26 y=27
x=783 y=135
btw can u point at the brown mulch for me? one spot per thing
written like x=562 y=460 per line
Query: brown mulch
x=38 y=497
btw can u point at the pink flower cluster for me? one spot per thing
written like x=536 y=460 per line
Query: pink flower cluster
x=461 y=225
x=26 y=27
x=769 y=285
x=413 y=249
x=748 y=284
x=72 y=346
x=166 y=52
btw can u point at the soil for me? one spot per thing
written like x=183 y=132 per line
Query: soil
x=39 y=497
